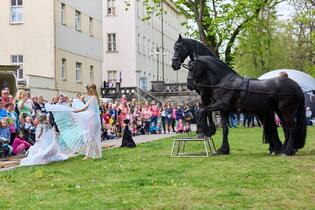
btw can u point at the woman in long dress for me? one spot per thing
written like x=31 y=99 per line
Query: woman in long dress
x=79 y=132
x=91 y=120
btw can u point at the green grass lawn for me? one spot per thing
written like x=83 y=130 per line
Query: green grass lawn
x=147 y=178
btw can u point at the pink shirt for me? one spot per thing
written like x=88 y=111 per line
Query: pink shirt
x=154 y=111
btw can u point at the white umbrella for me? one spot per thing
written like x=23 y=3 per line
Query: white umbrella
x=306 y=81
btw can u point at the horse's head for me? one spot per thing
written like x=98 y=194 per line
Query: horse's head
x=180 y=53
x=195 y=74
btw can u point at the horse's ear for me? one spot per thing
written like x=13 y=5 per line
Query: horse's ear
x=180 y=37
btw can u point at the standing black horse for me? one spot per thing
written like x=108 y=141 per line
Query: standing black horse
x=192 y=48
x=231 y=92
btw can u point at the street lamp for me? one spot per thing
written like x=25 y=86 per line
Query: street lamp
x=162 y=33
x=158 y=61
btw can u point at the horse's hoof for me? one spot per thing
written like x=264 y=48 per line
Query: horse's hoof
x=222 y=152
x=289 y=153
x=201 y=135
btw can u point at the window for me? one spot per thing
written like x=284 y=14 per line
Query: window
x=91 y=74
x=16 y=15
x=111 y=42
x=138 y=44
x=143 y=83
x=78 y=72
x=143 y=45
x=78 y=20
x=112 y=77
x=63 y=12
x=18 y=61
x=111 y=7
x=91 y=26
x=63 y=68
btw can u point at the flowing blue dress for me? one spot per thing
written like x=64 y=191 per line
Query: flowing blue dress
x=78 y=133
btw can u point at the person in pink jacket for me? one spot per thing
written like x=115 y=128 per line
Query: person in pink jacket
x=19 y=144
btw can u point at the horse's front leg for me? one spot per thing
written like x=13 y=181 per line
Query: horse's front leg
x=218 y=106
x=225 y=147
x=205 y=124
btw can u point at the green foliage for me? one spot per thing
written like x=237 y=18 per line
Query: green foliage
x=147 y=178
x=218 y=22
x=270 y=44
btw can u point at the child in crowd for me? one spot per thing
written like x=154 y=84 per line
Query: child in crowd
x=180 y=126
x=4 y=129
x=42 y=127
x=12 y=120
x=6 y=149
x=187 y=128
x=20 y=144
x=153 y=128
x=134 y=128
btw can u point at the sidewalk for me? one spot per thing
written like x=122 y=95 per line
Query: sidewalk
x=14 y=161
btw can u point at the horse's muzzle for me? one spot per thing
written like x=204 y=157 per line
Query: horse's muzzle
x=176 y=64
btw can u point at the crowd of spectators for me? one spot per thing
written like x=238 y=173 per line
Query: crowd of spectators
x=24 y=119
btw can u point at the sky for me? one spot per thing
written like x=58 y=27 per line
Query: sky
x=285 y=11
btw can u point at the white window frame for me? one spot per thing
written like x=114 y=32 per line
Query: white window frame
x=111 y=42
x=63 y=69
x=78 y=67
x=91 y=74
x=91 y=26
x=63 y=14
x=18 y=60
x=16 y=12
x=78 y=20
x=111 y=9
x=112 y=76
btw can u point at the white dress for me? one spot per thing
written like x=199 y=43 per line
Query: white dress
x=79 y=133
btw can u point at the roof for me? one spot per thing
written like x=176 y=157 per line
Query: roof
x=306 y=81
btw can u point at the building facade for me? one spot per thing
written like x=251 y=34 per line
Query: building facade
x=133 y=47
x=58 y=44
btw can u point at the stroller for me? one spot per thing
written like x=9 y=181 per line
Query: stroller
x=30 y=135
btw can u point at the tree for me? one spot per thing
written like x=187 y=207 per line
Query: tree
x=219 y=22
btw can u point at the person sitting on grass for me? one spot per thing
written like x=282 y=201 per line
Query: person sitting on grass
x=20 y=144
x=180 y=126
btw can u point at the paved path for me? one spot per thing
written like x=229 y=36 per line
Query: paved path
x=13 y=162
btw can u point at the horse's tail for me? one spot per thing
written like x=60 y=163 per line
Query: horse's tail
x=301 y=126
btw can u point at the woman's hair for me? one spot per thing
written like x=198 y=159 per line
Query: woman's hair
x=19 y=94
x=93 y=92
x=283 y=74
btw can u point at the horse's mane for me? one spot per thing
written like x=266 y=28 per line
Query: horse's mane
x=216 y=65
x=199 y=48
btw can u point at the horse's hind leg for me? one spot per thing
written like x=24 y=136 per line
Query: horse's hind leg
x=290 y=132
x=271 y=133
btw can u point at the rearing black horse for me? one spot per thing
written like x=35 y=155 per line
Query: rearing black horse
x=231 y=92
x=182 y=49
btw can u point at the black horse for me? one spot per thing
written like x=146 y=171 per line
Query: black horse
x=192 y=48
x=231 y=92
